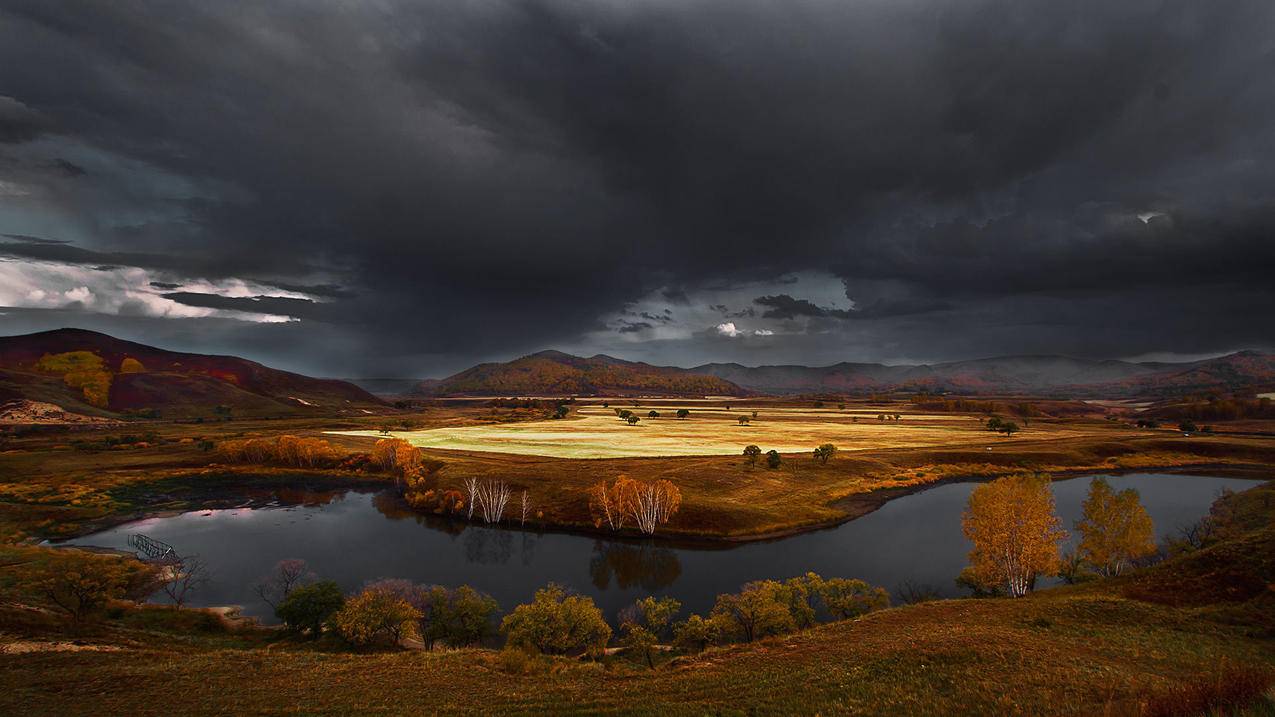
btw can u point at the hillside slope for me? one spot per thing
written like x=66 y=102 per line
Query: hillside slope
x=90 y=372
x=553 y=373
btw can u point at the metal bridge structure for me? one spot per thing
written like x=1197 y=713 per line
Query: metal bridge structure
x=152 y=550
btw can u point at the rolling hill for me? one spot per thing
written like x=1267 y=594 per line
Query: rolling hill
x=556 y=373
x=96 y=374
x=553 y=373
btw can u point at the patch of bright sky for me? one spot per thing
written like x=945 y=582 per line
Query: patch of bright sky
x=122 y=291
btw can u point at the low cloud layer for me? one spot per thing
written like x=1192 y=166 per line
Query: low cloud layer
x=407 y=188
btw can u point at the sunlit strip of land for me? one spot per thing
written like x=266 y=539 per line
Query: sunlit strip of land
x=596 y=432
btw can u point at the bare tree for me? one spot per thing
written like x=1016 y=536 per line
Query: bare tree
x=471 y=486
x=652 y=504
x=492 y=497
x=183 y=577
x=525 y=508
x=276 y=586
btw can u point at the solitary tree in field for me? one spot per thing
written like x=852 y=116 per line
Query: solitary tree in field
x=653 y=414
x=683 y=413
x=772 y=459
x=561 y=411
x=743 y=420
x=623 y=413
x=824 y=452
x=632 y=420
x=1115 y=529
x=1009 y=428
x=751 y=453
x=1015 y=532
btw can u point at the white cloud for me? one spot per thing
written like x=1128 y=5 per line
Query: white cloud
x=763 y=332
x=122 y=290
x=728 y=329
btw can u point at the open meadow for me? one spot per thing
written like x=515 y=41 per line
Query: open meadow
x=595 y=431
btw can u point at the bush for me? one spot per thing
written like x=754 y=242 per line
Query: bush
x=694 y=634
x=309 y=607
x=557 y=623
x=374 y=615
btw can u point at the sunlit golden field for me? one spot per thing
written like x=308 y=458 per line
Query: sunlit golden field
x=596 y=432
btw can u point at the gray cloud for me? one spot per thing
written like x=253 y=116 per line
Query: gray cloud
x=468 y=182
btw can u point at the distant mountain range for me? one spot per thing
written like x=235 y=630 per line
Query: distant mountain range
x=96 y=374
x=554 y=373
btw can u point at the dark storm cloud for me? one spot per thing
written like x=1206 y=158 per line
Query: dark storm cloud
x=472 y=181
x=277 y=305
x=783 y=306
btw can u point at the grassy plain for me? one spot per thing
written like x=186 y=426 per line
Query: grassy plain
x=1113 y=647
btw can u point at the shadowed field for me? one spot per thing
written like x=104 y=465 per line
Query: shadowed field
x=596 y=432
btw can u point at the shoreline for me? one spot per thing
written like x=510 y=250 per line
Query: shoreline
x=853 y=506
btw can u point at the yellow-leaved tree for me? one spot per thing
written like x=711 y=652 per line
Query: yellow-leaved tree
x=1115 y=529
x=1015 y=532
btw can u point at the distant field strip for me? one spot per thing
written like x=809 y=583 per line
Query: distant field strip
x=595 y=432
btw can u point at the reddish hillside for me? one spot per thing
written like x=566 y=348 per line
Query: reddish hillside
x=552 y=373
x=77 y=368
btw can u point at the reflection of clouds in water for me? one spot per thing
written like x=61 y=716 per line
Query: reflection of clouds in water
x=488 y=546
x=646 y=565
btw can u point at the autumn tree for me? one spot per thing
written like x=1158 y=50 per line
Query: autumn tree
x=846 y=598
x=376 y=614
x=644 y=623
x=1015 y=532
x=1115 y=529
x=825 y=452
x=651 y=504
x=397 y=456
x=694 y=634
x=683 y=413
x=756 y=611
x=557 y=622
x=751 y=453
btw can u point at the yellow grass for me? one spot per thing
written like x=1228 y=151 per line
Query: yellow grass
x=596 y=432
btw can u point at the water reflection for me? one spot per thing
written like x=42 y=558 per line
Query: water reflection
x=644 y=565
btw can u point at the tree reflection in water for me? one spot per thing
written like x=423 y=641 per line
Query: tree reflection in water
x=642 y=564
x=488 y=546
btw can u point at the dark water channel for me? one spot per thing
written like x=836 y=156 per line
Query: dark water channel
x=353 y=537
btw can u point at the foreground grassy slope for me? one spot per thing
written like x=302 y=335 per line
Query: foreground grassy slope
x=1108 y=647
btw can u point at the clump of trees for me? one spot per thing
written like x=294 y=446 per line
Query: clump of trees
x=291 y=451
x=378 y=614
x=1015 y=532
x=489 y=496
x=458 y=617
x=751 y=453
x=772 y=459
x=773 y=607
x=1000 y=425
x=557 y=622
x=1115 y=530
x=825 y=452
x=742 y=420
x=647 y=505
x=80 y=586
x=308 y=608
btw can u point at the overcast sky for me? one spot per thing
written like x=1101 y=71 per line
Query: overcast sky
x=406 y=188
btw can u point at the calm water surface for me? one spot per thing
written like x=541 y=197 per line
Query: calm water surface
x=352 y=537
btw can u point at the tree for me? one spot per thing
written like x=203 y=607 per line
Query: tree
x=1187 y=427
x=308 y=607
x=1015 y=532
x=607 y=503
x=624 y=414
x=694 y=634
x=83 y=591
x=644 y=623
x=653 y=414
x=845 y=598
x=183 y=577
x=396 y=456
x=373 y=615
x=650 y=504
x=1009 y=428
x=287 y=575
x=754 y=612
x=557 y=623
x=1115 y=529
x=824 y=452
x=994 y=423
x=470 y=619
x=561 y=410
x=491 y=496
x=751 y=452
x=772 y=459
x=633 y=420
x=683 y=413
x=743 y=420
